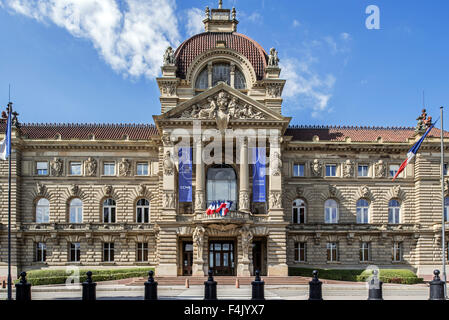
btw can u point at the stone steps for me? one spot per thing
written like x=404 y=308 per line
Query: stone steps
x=180 y=281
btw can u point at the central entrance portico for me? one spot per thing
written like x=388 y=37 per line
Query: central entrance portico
x=222 y=260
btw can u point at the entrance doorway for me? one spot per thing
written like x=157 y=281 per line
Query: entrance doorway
x=221 y=258
x=259 y=256
x=187 y=258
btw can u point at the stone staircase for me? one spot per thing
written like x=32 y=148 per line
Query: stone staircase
x=181 y=281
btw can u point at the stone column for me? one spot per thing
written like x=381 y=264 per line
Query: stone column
x=275 y=186
x=244 y=202
x=200 y=200
x=209 y=74
x=169 y=194
x=232 y=80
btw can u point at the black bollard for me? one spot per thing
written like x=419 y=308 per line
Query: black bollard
x=210 y=288
x=375 y=287
x=315 y=292
x=258 y=288
x=23 y=289
x=151 y=287
x=437 y=287
x=89 y=288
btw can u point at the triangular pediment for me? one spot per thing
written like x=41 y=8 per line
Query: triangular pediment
x=225 y=101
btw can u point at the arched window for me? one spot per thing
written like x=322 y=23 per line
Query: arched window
x=222 y=185
x=143 y=211
x=221 y=72
x=299 y=211
x=331 y=211
x=446 y=209
x=394 y=212
x=239 y=80
x=109 y=211
x=362 y=211
x=43 y=211
x=76 y=211
x=202 y=82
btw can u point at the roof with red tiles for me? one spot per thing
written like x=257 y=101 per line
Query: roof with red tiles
x=356 y=134
x=196 y=45
x=85 y=131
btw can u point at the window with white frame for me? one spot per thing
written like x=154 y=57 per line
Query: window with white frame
x=397 y=252
x=75 y=168
x=394 y=212
x=365 y=251
x=109 y=168
x=41 y=252
x=76 y=211
x=362 y=211
x=42 y=168
x=332 y=251
x=108 y=252
x=363 y=170
x=142 y=169
x=43 y=211
x=300 y=252
x=331 y=170
x=331 y=211
x=298 y=170
x=142 y=251
x=143 y=211
x=109 y=211
x=75 y=252
x=393 y=169
x=299 y=211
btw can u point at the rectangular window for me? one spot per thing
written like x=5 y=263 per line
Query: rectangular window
x=445 y=169
x=298 y=170
x=300 y=252
x=299 y=215
x=365 y=252
x=41 y=252
x=142 y=169
x=397 y=252
x=75 y=168
x=363 y=171
x=394 y=168
x=142 y=252
x=332 y=252
x=75 y=252
x=108 y=252
x=42 y=168
x=109 y=168
x=331 y=170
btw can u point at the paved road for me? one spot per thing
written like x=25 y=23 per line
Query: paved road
x=280 y=292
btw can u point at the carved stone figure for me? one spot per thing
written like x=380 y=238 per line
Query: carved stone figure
x=247 y=238
x=207 y=13
x=420 y=125
x=332 y=191
x=276 y=164
x=199 y=200
x=74 y=189
x=198 y=238
x=244 y=201
x=380 y=169
x=348 y=169
x=91 y=167
x=169 y=57
x=168 y=164
x=124 y=168
x=273 y=60
x=299 y=192
x=274 y=91
x=364 y=191
x=316 y=167
x=166 y=139
x=40 y=189
x=396 y=191
x=108 y=190
x=168 y=89
x=142 y=189
x=275 y=200
x=210 y=112
x=222 y=113
x=56 y=167
x=169 y=200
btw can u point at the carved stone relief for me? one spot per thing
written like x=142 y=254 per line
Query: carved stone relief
x=276 y=164
x=275 y=200
x=198 y=238
x=380 y=169
x=169 y=200
x=348 y=169
x=247 y=237
x=91 y=167
x=56 y=166
x=124 y=168
x=317 y=168
x=168 y=164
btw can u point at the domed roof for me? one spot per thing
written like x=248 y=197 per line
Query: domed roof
x=202 y=42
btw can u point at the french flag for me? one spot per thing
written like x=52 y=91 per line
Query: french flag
x=226 y=210
x=211 y=209
x=413 y=151
x=220 y=207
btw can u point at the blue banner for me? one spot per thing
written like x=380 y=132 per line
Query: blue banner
x=185 y=174
x=259 y=175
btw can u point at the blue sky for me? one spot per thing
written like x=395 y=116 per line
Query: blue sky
x=97 y=63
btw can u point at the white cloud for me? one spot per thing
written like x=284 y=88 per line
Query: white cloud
x=130 y=35
x=345 y=36
x=255 y=17
x=296 y=23
x=305 y=88
x=195 y=23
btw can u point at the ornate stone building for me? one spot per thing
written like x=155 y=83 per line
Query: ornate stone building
x=107 y=195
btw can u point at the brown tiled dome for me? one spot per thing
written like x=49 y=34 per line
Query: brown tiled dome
x=202 y=42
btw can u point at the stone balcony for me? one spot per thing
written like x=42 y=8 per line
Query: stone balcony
x=231 y=217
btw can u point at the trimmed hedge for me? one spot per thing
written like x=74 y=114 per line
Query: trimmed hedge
x=402 y=276
x=47 y=277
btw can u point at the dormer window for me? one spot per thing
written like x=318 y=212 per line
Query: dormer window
x=220 y=72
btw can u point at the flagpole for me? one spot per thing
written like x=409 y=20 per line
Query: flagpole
x=443 y=227
x=9 y=208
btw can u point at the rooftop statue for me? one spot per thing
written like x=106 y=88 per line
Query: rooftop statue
x=424 y=122
x=169 y=57
x=273 y=59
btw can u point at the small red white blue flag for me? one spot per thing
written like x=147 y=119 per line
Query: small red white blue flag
x=219 y=207
x=412 y=152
